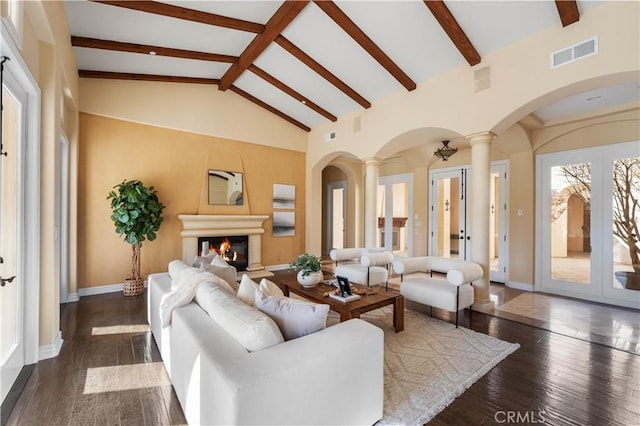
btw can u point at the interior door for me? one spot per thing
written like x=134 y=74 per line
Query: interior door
x=12 y=354
x=336 y=208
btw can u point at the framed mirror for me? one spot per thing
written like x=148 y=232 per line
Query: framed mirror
x=225 y=188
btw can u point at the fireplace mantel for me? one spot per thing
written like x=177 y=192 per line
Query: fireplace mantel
x=204 y=225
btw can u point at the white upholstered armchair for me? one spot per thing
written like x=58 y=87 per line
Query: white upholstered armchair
x=363 y=266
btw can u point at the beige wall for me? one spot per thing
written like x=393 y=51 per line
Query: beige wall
x=194 y=108
x=176 y=163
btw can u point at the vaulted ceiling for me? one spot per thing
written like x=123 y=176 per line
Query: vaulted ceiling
x=307 y=62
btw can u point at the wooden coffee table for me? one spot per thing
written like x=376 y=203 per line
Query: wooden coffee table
x=347 y=310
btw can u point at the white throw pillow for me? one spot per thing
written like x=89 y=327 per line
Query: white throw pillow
x=270 y=288
x=248 y=289
x=249 y=327
x=294 y=319
x=227 y=273
x=175 y=267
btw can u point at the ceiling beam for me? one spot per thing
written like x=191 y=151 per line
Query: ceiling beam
x=291 y=92
x=145 y=77
x=441 y=12
x=322 y=71
x=348 y=26
x=286 y=13
x=178 y=12
x=94 y=43
x=568 y=11
x=269 y=108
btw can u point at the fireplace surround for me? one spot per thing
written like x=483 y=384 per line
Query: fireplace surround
x=200 y=225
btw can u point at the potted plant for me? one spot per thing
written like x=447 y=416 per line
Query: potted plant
x=310 y=272
x=137 y=215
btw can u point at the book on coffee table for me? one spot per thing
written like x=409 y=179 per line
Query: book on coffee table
x=345 y=299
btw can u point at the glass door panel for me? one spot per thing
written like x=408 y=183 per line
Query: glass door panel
x=623 y=212
x=498 y=224
x=570 y=218
x=448 y=230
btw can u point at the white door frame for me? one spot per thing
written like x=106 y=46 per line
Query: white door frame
x=63 y=214
x=29 y=201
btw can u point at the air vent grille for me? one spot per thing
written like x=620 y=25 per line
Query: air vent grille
x=575 y=52
x=328 y=137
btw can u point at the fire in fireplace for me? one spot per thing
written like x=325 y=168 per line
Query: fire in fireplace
x=233 y=249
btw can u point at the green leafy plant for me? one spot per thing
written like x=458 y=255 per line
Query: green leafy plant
x=307 y=263
x=137 y=215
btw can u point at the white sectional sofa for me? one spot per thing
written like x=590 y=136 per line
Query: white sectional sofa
x=331 y=377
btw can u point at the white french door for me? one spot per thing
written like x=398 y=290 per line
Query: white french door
x=12 y=293
x=19 y=215
x=450 y=231
x=588 y=224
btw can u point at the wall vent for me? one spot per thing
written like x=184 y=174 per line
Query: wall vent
x=328 y=137
x=482 y=79
x=575 y=52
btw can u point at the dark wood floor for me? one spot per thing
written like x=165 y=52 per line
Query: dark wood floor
x=109 y=372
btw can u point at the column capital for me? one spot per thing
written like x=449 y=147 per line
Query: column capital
x=482 y=137
x=371 y=161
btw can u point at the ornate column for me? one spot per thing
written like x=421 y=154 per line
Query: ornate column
x=480 y=214
x=370 y=200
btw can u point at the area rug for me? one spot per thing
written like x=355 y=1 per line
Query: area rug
x=429 y=364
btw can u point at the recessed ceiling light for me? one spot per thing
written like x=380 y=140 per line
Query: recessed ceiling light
x=152 y=53
x=594 y=98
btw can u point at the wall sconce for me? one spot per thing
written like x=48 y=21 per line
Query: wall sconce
x=445 y=151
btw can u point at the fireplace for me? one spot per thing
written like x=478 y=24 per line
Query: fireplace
x=209 y=226
x=234 y=249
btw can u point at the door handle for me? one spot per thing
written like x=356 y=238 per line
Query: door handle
x=4 y=281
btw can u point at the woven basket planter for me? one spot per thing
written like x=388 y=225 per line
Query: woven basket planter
x=133 y=287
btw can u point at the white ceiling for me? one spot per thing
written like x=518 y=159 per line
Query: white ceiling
x=405 y=30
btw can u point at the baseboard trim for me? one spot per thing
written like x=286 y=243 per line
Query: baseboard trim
x=51 y=351
x=72 y=297
x=277 y=267
x=520 y=286
x=102 y=289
